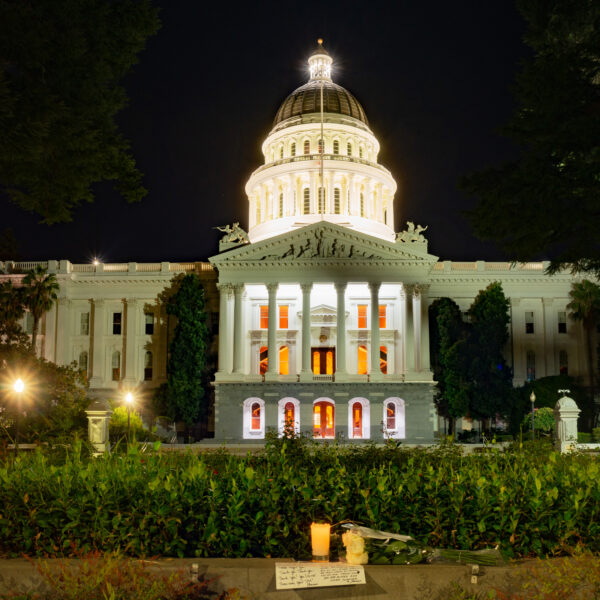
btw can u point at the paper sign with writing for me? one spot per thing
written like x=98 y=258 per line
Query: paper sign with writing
x=290 y=576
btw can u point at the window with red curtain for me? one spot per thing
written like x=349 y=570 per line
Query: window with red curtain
x=255 y=422
x=264 y=359
x=357 y=420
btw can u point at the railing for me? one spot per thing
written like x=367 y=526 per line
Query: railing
x=84 y=268
x=323 y=377
x=464 y=266
x=147 y=267
x=32 y=264
x=497 y=266
x=309 y=157
x=116 y=267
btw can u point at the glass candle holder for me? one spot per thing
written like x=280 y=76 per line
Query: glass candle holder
x=319 y=536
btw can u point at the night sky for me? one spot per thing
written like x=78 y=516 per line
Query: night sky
x=433 y=77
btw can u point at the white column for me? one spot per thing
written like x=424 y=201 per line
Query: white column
x=224 y=331
x=290 y=209
x=63 y=318
x=424 y=337
x=375 y=372
x=50 y=334
x=550 y=325
x=238 y=333
x=409 y=356
x=314 y=199
x=97 y=379
x=329 y=203
x=341 y=368
x=263 y=204
x=417 y=327
x=272 y=365
x=306 y=372
x=131 y=350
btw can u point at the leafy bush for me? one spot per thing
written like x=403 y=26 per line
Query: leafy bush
x=543 y=420
x=584 y=438
x=530 y=502
x=118 y=424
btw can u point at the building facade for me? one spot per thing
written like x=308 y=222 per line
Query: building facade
x=322 y=308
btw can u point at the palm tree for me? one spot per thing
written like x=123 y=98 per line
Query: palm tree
x=39 y=293
x=585 y=307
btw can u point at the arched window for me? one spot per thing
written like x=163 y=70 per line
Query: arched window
x=293 y=149
x=359 y=424
x=148 y=366
x=383 y=359
x=254 y=418
x=284 y=360
x=323 y=419
x=530 y=357
x=280 y=152
x=263 y=360
x=321 y=200
x=393 y=418
x=563 y=361
x=281 y=204
x=306 y=207
x=336 y=146
x=336 y=201
x=83 y=361
x=349 y=149
x=288 y=416
x=360 y=152
x=362 y=204
x=116 y=365
x=321 y=147
x=362 y=360
x=306 y=146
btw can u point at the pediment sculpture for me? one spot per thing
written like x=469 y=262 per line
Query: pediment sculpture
x=234 y=236
x=412 y=234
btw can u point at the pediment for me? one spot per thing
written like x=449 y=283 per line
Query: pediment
x=325 y=242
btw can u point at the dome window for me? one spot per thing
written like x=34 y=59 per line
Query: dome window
x=321 y=148
x=306 y=207
x=321 y=200
x=336 y=146
x=293 y=149
x=280 y=152
x=281 y=204
x=362 y=204
x=306 y=147
x=360 y=152
x=349 y=149
x=336 y=201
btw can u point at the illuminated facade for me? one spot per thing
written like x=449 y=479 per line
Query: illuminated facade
x=323 y=310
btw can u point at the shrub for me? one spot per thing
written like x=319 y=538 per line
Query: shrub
x=543 y=421
x=584 y=438
x=118 y=424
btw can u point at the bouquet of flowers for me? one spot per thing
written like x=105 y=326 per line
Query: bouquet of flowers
x=365 y=545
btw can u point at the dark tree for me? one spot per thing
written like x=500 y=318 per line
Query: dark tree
x=9 y=249
x=547 y=200
x=39 y=292
x=185 y=392
x=11 y=313
x=585 y=307
x=61 y=63
x=450 y=361
x=490 y=379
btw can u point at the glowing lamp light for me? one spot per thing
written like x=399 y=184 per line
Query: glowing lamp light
x=19 y=386
x=319 y=536
x=129 y=398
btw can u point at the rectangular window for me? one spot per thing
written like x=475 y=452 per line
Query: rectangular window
x=529 y=325
x=562 y=321
x=116 y=324
x=149 y=323
x=264 y=316
x=362 y=316
x=382 y=316
x=84 y=324
x=283 y=316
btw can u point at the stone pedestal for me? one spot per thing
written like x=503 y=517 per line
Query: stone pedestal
x=98 y=414
x=566 y=413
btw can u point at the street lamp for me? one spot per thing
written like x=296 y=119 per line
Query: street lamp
x=129 y=400
x=18 y=387
x=532 y=398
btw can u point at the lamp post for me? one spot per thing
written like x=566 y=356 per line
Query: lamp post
x=18 y=387
x=532 y=398
x=129 y=401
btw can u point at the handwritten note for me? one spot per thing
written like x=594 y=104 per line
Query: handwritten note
x=290 y=576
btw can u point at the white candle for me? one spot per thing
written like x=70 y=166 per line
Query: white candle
x=319 y=534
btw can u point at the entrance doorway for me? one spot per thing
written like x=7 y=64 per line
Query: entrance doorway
x=323 y=419
x=323 y=361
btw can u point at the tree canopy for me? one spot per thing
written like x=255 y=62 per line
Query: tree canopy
x=61 y=63
x=39 y=292
x=547 y=200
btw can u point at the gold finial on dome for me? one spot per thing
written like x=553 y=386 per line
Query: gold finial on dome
x=320 y=62
x=320 y=41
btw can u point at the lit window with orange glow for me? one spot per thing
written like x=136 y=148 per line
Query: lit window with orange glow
x=329 y=417
x=263 y=359
x=382 y=316
x=357 y=420
x=316 y=362
x=255 y=417
x=283 y=316
x=362 y=316
x=383 y=359
x=362 y=360
x=317 y=416
x=264 y=316
x=284 y=360
x=390 y=415
x=329 y=362
x=288 y=415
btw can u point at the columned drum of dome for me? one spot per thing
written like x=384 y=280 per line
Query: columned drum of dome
x=321 y=164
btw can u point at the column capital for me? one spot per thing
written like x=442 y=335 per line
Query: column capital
x=341 y=286
x=224 y=287
x=238 y=288
x=421 y=289
x=98 y=302
x=132 y=301
x=374 y=286
x=272 y=287
x=408 y=289
x=306 y=287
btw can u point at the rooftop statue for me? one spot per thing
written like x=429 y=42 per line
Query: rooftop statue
x=411 y=233
x=234 y=236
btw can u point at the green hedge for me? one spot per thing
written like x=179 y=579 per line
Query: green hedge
x=531 y=502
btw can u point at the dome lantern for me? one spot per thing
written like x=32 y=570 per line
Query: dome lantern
x=319 y=63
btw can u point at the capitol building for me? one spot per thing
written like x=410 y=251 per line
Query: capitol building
x=322 y=307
